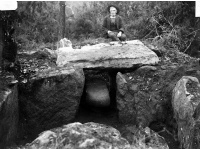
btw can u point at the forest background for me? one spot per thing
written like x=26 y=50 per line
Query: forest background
x=171 y=24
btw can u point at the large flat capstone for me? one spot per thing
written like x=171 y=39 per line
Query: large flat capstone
x=106 y=55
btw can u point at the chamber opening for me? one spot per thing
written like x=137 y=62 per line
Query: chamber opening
x=98 y=102
x=107 y=114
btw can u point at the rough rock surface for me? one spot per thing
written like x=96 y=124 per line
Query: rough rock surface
x=145 y=95
x=142 y=138
x=8 y=109
x=80 y=136
x=186 y=106
x=46 y=53
x=33 y=63
x=107 y=56
x=50 y=98
x=139 y=97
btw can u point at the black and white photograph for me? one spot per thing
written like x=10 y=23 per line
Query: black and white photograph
x=99 y=74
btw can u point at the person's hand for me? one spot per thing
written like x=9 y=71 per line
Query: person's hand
x=109 y=32
x=119 y=34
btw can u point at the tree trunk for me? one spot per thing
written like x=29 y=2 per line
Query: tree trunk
x=62 y=20
x=1 y=43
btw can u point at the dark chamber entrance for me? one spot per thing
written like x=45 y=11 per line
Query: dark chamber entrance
x=96 y=111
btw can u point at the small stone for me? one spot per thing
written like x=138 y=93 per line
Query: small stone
x=134 y=87
x=13 y=81
x=163 y=67
x=24 y=81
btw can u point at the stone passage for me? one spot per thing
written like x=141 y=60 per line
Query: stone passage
x=50 y=96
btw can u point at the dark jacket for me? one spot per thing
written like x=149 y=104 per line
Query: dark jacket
x=107 y=21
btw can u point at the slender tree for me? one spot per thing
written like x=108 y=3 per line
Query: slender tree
x=62 y=18
x=1 y=42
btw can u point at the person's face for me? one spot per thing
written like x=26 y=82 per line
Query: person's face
x=113 y=11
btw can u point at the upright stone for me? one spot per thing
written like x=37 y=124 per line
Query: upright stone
x=139 y=96
x=8 y=109
x=51 y=98
x=186 y=106
x=125 y=101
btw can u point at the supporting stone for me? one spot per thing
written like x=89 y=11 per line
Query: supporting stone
x=139 y=98
x=186 y=106
x=125 y=102
x=51 y=98
x=8 y=110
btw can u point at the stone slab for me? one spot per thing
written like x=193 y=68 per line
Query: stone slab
x=107 y=55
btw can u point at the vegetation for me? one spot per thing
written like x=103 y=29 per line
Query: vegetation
x=171 y=24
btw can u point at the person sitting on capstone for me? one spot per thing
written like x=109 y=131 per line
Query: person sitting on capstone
x=113 y=25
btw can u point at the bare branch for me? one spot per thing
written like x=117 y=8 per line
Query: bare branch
x=190 y=43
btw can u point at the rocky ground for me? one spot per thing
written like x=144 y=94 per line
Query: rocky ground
x=147 y=98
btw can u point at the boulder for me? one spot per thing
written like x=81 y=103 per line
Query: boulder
x=9 y=116
x=80 y=136
x=186 y=106
x=50 y=98
x=118 y=55
x=143 y=138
